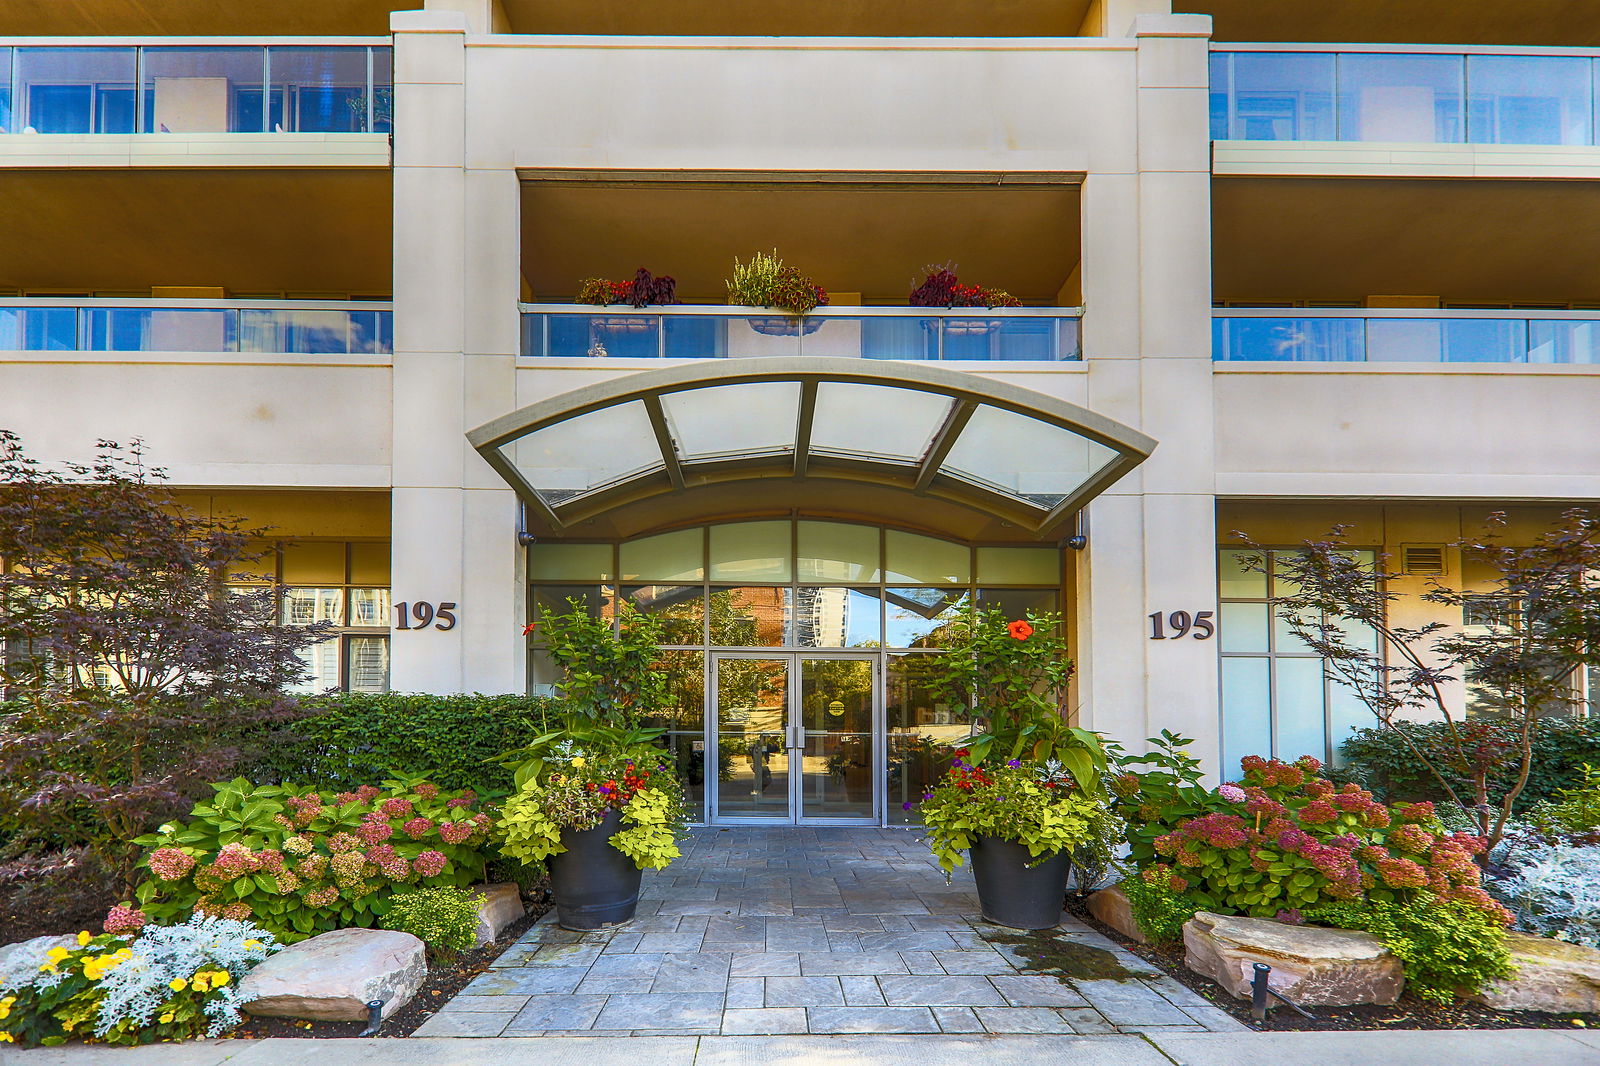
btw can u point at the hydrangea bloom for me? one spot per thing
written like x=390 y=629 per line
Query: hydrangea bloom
x=430 y=863
x=1231 y=793
x=397 y=808
x=125 y=919
x=418 y=827
x=170 y=864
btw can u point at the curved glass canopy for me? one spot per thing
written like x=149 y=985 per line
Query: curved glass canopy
x=921 y=430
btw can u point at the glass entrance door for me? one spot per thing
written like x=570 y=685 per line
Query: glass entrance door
x=795 y=738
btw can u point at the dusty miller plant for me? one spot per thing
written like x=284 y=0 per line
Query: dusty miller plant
x=1547 y=598
x=1553 y=889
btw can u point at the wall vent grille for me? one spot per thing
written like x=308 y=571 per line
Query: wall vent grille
x=1425 y=559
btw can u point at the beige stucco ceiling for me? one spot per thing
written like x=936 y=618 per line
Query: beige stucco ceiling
x=280 y=230
x=824 y=18
x=1470 y=240
x=1552 y=22
x=199 y=18
x=849 y=237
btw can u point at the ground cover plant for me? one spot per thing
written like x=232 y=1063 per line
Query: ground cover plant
x=162 y=983
x=446 y=919
x=300 y=862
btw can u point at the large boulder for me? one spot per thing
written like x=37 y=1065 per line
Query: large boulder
x=1311 y=965
x=498 y=907
x=1110 y=907
x=25 y=956
x=1551 y=976
x=332 y=977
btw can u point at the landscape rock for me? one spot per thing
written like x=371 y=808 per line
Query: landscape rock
x=332 y=976
x=1110 y=907
x=29 y=953
x=1552 y=975
x=498 y=907
x=1312 y=965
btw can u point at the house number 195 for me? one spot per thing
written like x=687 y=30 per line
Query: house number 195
x=425 y=614
x=1182 y=623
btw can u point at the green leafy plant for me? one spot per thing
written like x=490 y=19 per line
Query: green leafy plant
x=608 y=665
x=1159 y=908
x=1574 y=812
x=1449 y=947
x=1156 y=790
x=349 y=739
x=766 y=281
x=446 y=919
x=1040 y=806
x=300 y=862
x=1014 y=674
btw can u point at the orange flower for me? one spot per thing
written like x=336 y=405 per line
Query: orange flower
x=1020 y=630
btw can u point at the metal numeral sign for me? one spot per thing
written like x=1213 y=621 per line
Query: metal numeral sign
x=1182 y=624
x=419 y=615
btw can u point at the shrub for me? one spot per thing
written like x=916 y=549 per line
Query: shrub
x=766 y=281
x=446 y=919
x=351 y=739
x=1380 y=760
x=1449 y=947
x=1158 y=905
x=1573 y=812
x=169 y=983
x=1551 y=888
x=941 y=288
x=301 y=862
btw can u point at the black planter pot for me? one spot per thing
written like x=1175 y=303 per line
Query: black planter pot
x=1013 y=895
x=593 y=883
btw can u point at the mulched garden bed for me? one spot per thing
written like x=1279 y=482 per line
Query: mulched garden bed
x=1409 y=1013
x=441 y=984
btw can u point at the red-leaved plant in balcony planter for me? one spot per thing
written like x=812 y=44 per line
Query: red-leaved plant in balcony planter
x=643 y=290
x=941 y=288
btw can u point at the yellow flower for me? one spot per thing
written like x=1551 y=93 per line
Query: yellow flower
x=84 y=938
x=220 y=979
x=252 y=943
x=579 y=762
x=48 y=967
x=199 y=983
x=6 y=1038
x=177 y=984
x=57 y=954
x=167 y=1017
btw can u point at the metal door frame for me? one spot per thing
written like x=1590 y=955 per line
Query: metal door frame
x=791 y=726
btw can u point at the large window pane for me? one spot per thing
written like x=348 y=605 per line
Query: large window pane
x=1551 y=341
x=834 y=551
x=5 y=91
x=672 y=557
x=911 y=559
x=203 y=90
x=916 y=617
x=49 y=329
x=570 y=562
x=1246 y=711
x=304 y=606
x=684 y=719
x=318 y=90
x=1243 y=627
x=1455 y=340
x=1301 y=707
x=1236 y=582
x=141 y=329
x=681 y=610
x=76 y=90
x=382 y=90
x=1408 y=98
x=1019 y=566
x=746 y=419
x=309 y=332
x=556 y=599
x=751 y=551
x=369 y=607
x=1322 y=340
x=829 y=617
x=759 y=617
x=322 y=666
x=922 y=731
x=1529 y=99
x=1281 y=96
x=1016 y=603
x=369 y=664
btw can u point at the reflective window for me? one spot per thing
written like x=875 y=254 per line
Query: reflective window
x=1416 y=98
x=751 y=551
x=832 y=617
x=835 y=551
x=1529 y=99
x=1277 y=96
x=916 y=560
x=1322 y=340
x=203 y=90
x=744 y=419
x=139 y=329
x=568 y=562
x=1562 y=341
x=923 y=729
x=760 y=617
x=305 y=606
x=854 y=419
x=1017 y=603
x=916 y=617
x=75 y=90
x=5 y=91
x=674 y=557
x=369 y=664
x=558 y=599
x=681 y=610
x=1461 y=340
x=317 y=90
x=1019 y=566
x=1024 y=457
x=683 y=717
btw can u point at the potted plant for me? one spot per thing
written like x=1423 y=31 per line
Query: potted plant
x=642 y=291
x=942 y=288
x=766 y=281
x=1024 y=792
x=597 y=800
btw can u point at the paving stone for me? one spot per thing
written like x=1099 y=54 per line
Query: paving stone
x=638 y=965
x=565 y=954
x=736 y=930
x=606 y=986
x=1086 y=1020
x=1042 y=990
x=885 y=906
x=766 y=1021
x=853 y=923
x=844 y=942
x=765 y=964
x=676 y=942
x=864 y=963
x=921 y=962
x=939 y=992
x=528 y=980
x=486 y=1003
x=927 y=940
x=558 y=1012
x=692 y=973
x=861 y=992
x=1022 y=1020
x=871 y=1020
x=623 y=944
x=974 y=962
x=675 y=1010
x=1126 y=1003
x=673 y=906
x=745 y=992
x=957 y=1020
x=804 y=992
x=465 y=1023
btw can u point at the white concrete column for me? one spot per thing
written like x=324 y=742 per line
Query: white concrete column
x=455 y=289
x=1147 y=338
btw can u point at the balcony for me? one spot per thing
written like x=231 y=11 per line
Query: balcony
x=1405 y=94
x=115 y=87
x=1010 y=334
x=209 y=326
x=1277 y=335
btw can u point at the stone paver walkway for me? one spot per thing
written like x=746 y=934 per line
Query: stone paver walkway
x=792 y=931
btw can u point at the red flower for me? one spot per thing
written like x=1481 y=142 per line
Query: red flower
x=527 y=629
x=1019 y=630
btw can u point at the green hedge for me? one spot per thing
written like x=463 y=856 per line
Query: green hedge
x=1380 y=760
x=352 y=739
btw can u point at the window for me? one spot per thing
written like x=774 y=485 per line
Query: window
x=346 y=584
x=1276 y=697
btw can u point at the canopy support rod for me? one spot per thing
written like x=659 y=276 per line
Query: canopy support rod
x=669 y=451
x=945 y=439
x=802 y=426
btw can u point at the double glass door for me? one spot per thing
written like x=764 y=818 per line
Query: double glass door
x=795 y=738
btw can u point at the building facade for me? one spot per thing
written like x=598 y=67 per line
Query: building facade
x=322 y=258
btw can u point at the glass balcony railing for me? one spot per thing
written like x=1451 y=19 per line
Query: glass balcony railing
x=1427 y=95
x=1368 y=336
x=1011 y=334
x=220 y=89
x=303 y=328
